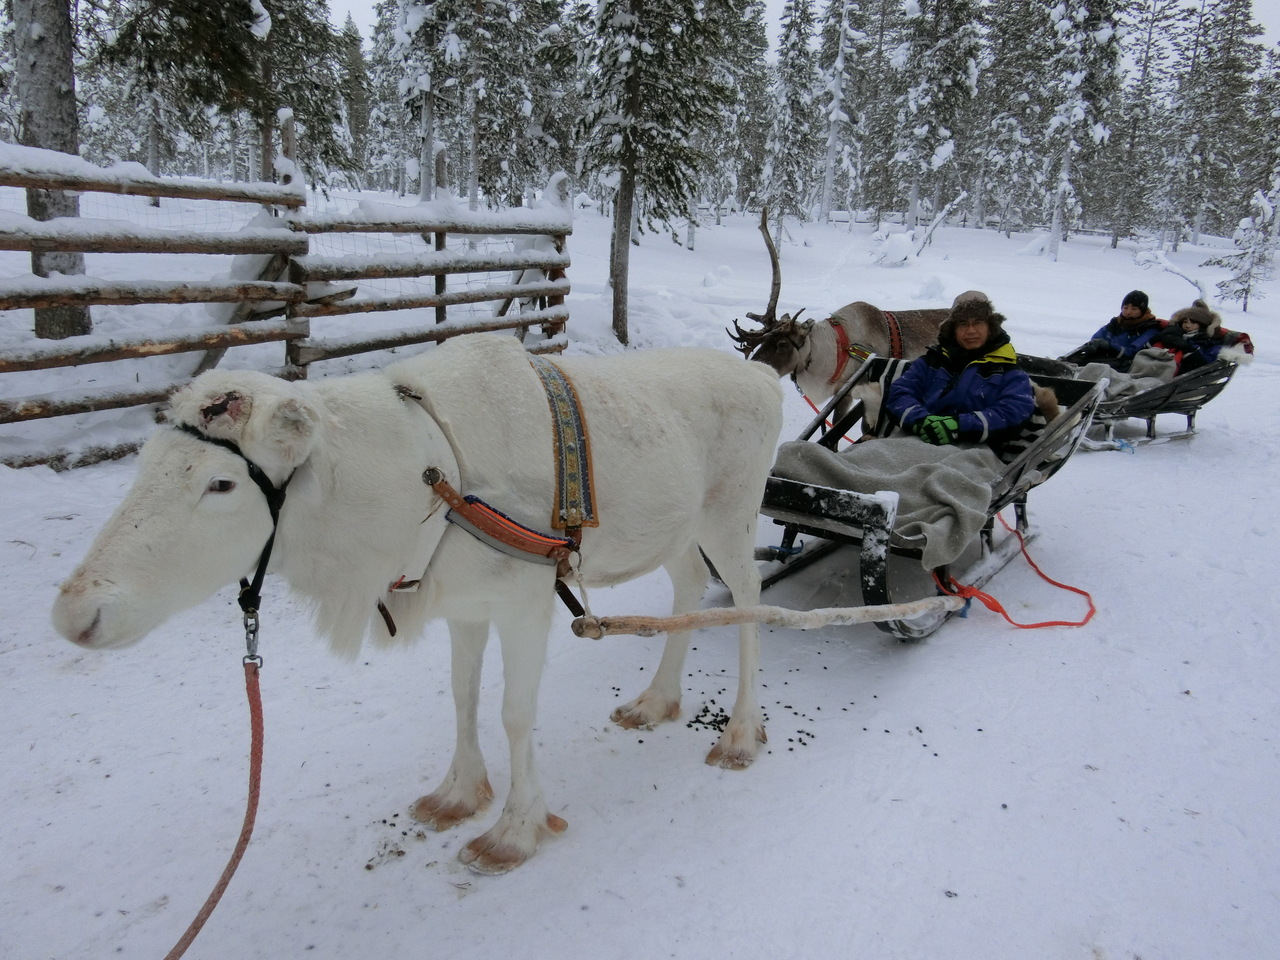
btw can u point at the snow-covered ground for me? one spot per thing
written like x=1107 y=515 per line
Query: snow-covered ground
x=1102 y=792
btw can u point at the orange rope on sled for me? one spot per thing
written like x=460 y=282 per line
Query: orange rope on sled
x=824 y=420
x=992 y=604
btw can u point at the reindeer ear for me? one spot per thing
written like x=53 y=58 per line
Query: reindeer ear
x=291 y=429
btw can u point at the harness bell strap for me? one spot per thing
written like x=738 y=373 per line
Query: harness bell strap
x=844 y=349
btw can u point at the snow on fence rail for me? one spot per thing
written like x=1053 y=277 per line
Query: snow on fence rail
x=534 y=271
x=278 y=285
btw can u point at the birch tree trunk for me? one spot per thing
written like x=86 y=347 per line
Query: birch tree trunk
x=426 y=149
x=153 y=138
x=835 y=116
x=1060 y=202
x=47 y=118
x=623 y=206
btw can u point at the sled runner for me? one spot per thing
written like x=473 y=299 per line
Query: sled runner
x=837 y=517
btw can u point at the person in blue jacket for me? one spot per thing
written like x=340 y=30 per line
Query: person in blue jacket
x=968 y=386
x=1118 y=341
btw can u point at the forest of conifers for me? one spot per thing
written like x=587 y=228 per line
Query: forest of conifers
x=1155 y=117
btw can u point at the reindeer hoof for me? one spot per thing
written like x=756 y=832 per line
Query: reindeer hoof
x=439 y=812
x=645 y=713
x=733 y=752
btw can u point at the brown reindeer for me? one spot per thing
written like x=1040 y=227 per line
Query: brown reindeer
x=820 y=356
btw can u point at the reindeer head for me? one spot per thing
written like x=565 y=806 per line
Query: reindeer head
x=779 y=343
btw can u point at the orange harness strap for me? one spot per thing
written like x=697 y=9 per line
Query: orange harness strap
x=493 y=525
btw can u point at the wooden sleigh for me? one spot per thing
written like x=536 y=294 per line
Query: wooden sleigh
x=840 y=518
x=1184 y=394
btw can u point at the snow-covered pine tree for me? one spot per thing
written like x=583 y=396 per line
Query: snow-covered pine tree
x=8 y=83
x=159 y=68
x=791 y=170
x=878 y=82
x=1127 y=170
x=426 y=43
x=1200 y=185
x=654 y=83
x=1083 y=80
x=735 y=145
x=1254 y=260
x=46 y=94
x=502 y=82
x=1004 y=158
x=1234 y=57
x=555 y=84
x=355 y=87
x=940 y=62
x=1259 y=154
x=836 y=62
x=388 y=146
x=299 y=58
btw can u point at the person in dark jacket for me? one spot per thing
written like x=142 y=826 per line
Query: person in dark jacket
x=968 y=386
x=1120 y=338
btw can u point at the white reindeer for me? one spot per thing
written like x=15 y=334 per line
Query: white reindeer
x=682 y=441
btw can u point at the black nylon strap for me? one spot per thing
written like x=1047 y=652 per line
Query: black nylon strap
x=251 y=593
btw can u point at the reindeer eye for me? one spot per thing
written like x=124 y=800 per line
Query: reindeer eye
x=221 y=485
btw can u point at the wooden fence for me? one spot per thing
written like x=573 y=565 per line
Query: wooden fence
x=292 y=289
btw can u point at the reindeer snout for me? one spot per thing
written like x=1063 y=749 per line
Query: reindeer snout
x=86 y=636
x=75 y=615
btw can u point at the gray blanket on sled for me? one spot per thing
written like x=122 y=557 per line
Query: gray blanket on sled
x=1119 y=385
x=943 y=492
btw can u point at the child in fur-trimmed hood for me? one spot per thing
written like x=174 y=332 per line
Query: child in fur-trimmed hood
x=1195 y=334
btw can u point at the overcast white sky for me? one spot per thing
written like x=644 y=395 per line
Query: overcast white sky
x=1266 y=12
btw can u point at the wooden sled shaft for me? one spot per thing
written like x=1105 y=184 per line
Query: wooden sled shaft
x=597 y=627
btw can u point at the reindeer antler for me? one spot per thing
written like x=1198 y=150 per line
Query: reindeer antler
x=749 y=340
x=770 y=315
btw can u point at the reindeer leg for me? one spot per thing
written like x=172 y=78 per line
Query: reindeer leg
x=731 y=554
x=525 y=819
x=661 y=700
x=465 y=790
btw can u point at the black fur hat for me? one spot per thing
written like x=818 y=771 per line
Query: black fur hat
x=1137 y=298
x=971 y=305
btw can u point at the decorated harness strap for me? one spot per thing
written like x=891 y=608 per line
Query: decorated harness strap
x=575 y=496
